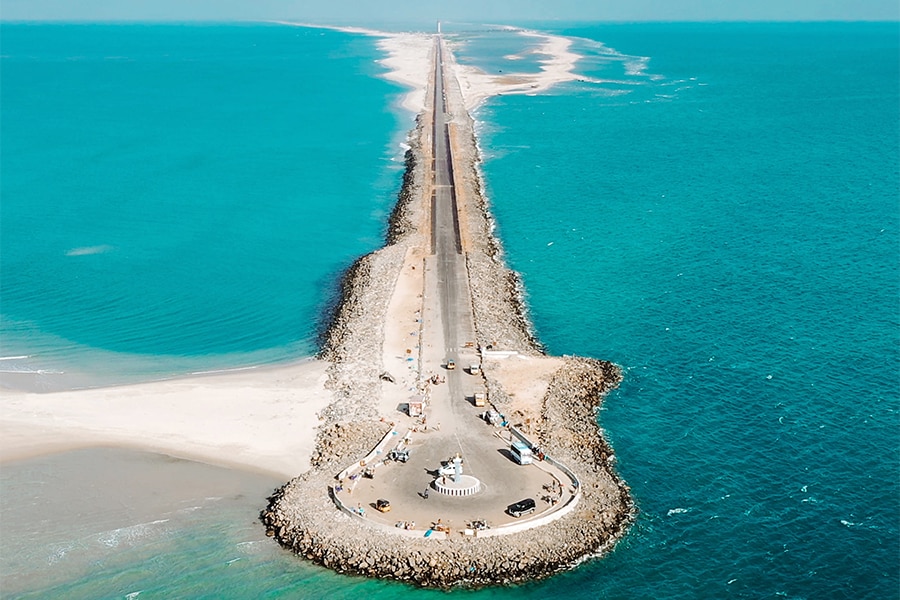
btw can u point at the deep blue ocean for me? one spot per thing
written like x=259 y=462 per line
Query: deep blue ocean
x=716 y=208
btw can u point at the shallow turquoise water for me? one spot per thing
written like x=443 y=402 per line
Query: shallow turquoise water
x=719 y=216
x=494 y=50
x=188 y=194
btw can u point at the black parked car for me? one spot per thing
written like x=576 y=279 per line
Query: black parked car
x=522 y=507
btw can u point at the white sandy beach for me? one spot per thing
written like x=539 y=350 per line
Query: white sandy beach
x=557 y=66
x=408 y=59
x=259 y=419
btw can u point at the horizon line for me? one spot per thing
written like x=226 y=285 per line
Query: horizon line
x=346 y=23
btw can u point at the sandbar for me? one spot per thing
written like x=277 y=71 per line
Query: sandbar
x=262 y=419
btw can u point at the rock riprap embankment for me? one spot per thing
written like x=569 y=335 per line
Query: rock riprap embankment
x=354 y=340
x=304 y=519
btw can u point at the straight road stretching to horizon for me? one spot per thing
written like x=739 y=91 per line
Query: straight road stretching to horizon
x=453 y=421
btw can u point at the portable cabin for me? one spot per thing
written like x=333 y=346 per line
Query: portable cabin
x=415 y=408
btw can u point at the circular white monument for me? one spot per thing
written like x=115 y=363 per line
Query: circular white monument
x=465 y=486
x=455 y=483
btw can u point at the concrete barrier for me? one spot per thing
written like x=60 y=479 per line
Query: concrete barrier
x=498 y=353
x=371 y=456
x=532 y=523
x=547 y=458
x=575 y=482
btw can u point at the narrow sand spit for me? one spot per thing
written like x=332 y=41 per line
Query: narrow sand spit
x=557 y=66
x=260 y=419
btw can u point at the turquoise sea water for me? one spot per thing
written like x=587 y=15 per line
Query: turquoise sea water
x=717 y=212
x=183 y=197
x=728 y=232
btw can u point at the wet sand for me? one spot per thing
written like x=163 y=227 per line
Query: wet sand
x=68 y=515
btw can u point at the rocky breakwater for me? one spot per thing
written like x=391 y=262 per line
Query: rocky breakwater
x=302 y=515
x=304 y=519
x=573 y=398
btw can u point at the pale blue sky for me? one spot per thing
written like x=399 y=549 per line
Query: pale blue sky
x=502 y=11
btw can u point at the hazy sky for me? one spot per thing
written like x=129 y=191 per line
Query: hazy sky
x=480 y=11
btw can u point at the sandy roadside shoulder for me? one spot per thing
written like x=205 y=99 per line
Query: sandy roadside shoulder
x=262 y=420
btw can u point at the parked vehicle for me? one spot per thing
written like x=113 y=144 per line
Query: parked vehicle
x=522 y=507
x=399 y=455
x=474 y=369
x=493 y=417
x=521 y=453
x=480 y=398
